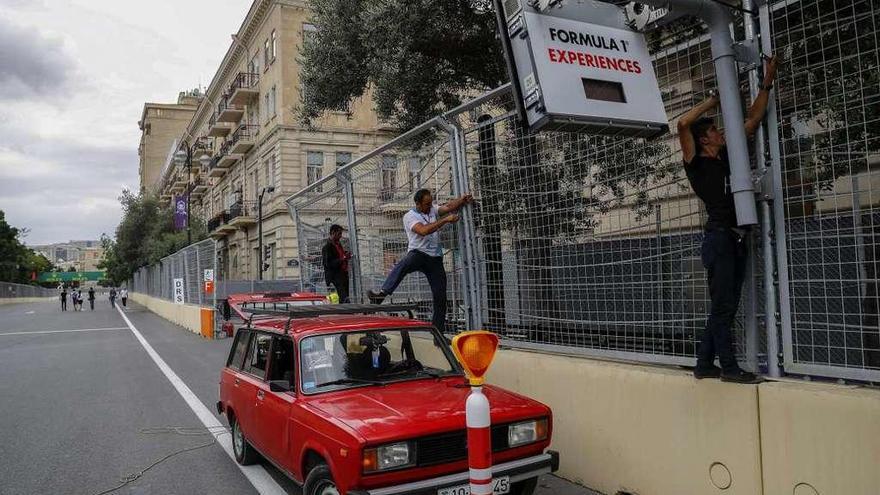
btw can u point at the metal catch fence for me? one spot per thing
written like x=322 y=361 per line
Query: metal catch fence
x=10 y=290
x=591 y=244
x=187 y=265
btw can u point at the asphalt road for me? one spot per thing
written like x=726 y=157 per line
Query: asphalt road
x=86 y=408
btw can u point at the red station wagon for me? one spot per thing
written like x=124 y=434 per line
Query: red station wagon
x=345 y=400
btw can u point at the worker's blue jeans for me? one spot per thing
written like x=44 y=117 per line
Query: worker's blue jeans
x=432 y=267
x=724 y=256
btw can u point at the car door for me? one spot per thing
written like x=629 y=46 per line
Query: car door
x=272 y=409
x=249 y=383
x=230 y=378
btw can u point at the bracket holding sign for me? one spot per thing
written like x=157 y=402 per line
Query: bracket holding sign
x=580 y=67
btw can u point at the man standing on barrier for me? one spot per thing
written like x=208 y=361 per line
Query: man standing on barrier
x=422 y=225
x=724 y=249
x=335 y=260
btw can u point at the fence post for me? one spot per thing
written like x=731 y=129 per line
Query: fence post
x=354 y=266
x=775 y=308
x=467 y=236
x=199 y=272
x=299 y=246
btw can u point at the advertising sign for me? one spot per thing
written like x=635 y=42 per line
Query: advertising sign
x=580 y=67
x=178 y=291
x=209 y=275
x=180 y=214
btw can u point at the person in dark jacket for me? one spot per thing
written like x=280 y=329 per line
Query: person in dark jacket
x=113 y=297
x=92 y=298
x=64 y=299
x=335 y=260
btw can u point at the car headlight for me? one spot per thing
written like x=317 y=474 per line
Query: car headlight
x=526 y=432
x=391 y=456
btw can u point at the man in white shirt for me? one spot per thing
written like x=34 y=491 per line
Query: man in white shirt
x=422 y=225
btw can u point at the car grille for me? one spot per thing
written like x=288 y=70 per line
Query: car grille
x=452 y=446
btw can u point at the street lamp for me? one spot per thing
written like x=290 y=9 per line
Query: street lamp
x=262 y=266
x=183 y=156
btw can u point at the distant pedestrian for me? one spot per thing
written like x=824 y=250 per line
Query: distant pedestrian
x=92 y=298
x=123 y=294
x=63 y=299
x=73 y=299
x=335 y=259
x=113 y=297
x=422 y=225
x=79 y=298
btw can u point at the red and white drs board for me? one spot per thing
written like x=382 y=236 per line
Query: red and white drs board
x=594 y=76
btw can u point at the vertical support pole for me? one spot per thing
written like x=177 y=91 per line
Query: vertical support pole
x=216 y=288
x=199 y=276
x=479 y=440
x=751 y=306
x=187 y=280
x=299 y=247
x=354 y=266
x=775 y=268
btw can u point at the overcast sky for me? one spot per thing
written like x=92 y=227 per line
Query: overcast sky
x=74 y=75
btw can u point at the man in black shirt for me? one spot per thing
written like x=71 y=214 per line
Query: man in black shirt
x=335 y=260
x=724 y=250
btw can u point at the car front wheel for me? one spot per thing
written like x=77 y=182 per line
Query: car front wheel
x=320 y=482
x=244 y=453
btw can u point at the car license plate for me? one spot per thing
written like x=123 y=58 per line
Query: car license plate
x=499 y=486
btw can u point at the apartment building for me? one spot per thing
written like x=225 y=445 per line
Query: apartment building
x=161 y=125
x=247 y=125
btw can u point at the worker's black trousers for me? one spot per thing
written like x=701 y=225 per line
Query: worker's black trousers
x=724 y=256
x=432 y=267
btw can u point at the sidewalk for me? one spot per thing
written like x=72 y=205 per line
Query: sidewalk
x=553 y=485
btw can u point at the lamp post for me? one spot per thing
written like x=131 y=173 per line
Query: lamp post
x=183 y=156
x=261 y=267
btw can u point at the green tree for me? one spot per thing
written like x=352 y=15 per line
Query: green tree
x=145 y=235
x=18 y=263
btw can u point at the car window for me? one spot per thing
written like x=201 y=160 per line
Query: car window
x=281 y=366
x=353 y=359
x=258 y=356
x=239 y=349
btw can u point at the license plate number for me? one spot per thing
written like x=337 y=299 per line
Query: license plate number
x=499 y=486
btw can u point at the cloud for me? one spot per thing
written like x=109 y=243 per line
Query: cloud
x=31 y=65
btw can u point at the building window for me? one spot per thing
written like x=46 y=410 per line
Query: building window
x=265 y=109
x=266 y=54
x=273 y=101
x=314 y=167
x=274 y=44
x=269 y=166
x=389 y=177
x=343 y=158
x=254 y=64
x=309 y=31
x=415 y=174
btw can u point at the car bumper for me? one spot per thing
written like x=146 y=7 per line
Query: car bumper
x=518 y=470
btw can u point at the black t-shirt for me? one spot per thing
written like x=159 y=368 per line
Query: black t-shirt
x=710 y=179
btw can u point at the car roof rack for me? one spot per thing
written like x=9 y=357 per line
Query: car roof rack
x=298 y=312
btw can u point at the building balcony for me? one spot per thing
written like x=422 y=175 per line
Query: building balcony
x=244 y=89
x=199 y=186
x=226 y=112
x=214 y=169
x=218 y=129
x=241 y=215
x=243 y=139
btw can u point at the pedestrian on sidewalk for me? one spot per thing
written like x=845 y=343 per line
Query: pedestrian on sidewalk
x=724 y=243
x=422 y=225
x=123 y=294
x=92 y=298
x=64 y=299
x=112 y=297
x=74 y=299
x=335 y=259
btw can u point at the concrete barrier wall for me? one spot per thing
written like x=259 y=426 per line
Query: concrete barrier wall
x=18 y=300
x=186 y=315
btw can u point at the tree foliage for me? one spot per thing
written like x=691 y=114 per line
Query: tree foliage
x=418 y=57
x=145 y=235
x=18 y=262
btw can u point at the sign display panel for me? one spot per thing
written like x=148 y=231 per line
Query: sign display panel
x=580 y=67
x=178 y=291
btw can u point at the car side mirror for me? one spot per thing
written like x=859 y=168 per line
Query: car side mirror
x=279 y=386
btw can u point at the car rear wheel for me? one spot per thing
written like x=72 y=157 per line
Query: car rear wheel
x=320 y=482
x=526 y=487
x=244 y=453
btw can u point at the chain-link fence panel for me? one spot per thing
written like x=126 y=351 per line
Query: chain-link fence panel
x=192 y=265
x=828 y=113
x=12 y=290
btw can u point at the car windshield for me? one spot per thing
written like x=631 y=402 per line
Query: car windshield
x=356 y=359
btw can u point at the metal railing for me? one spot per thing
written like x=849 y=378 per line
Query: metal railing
x=590 y=244
x=244 y=80
x=9 y=290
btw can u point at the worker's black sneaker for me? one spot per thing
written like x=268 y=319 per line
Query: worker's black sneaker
x=713 y=372
x=376 y=297
x=740 y=376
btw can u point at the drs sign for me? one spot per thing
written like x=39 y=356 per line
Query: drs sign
x=580 y=68
x=178 y=291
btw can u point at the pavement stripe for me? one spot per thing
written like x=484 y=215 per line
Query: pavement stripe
x=63 y=331
x=257 y=475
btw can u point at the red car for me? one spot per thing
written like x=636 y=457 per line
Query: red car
x=347 y=401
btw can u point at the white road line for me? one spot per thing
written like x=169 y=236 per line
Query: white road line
x=63 y=331
x=257 y=475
